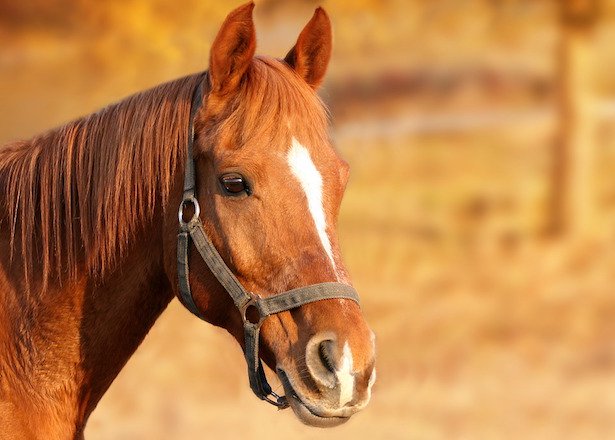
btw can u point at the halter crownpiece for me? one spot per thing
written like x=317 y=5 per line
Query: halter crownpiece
x=244 y=300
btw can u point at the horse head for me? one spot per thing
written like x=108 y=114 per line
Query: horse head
x=269 y=186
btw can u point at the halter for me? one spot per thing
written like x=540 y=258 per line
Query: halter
x=244 y=300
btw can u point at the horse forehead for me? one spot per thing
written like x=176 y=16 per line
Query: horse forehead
x=319 y=155
x=272 y=155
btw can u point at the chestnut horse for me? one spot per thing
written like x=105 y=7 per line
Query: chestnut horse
x=89 y=230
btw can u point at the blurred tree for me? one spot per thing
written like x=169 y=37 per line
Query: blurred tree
x=573 y=162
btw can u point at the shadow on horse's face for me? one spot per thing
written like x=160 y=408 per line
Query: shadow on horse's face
x=270 y=187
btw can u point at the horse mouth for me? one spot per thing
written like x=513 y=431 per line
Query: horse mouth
x=305 y=412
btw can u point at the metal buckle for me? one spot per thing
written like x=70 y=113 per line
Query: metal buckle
x=197 y=210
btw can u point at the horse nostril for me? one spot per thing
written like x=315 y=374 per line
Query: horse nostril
x=327 y=356
x=321 y=358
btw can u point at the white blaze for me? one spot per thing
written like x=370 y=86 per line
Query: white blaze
x=370 y=383
x=372 y=377
x=305 y=171
x=345 y=376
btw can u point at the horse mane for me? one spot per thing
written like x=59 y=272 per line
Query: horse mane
x=79 y=192
x=76 y=195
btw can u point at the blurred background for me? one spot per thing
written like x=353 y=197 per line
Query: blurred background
x=478 y=223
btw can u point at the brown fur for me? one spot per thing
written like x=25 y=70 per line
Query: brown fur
x=88 y=234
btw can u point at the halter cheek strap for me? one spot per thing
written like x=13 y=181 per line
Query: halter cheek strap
x=192 y=231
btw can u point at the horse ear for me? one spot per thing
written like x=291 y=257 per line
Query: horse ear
x=232 y=50
x=312 y=52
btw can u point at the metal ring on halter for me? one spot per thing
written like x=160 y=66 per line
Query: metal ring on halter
x=252 y=303
x=197 y=210
x=280 y=401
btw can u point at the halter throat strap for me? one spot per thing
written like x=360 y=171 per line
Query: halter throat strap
x=193 y=231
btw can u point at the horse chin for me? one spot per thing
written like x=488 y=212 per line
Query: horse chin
x=307 y=415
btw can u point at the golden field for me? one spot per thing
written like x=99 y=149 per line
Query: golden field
x=488 y=326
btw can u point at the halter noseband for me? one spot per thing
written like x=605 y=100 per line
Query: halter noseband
x=244 y=300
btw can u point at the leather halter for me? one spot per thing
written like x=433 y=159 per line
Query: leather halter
x=244 y=300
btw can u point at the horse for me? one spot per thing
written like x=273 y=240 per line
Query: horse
x=91 y=251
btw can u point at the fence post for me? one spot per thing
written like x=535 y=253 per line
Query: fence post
x=572 y=192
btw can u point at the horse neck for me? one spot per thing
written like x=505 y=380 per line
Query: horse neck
x=119 y=310
x=61 y=348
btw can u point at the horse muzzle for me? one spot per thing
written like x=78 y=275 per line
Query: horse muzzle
x=334 y=389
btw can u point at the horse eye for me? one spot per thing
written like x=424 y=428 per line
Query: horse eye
x=234 y=184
